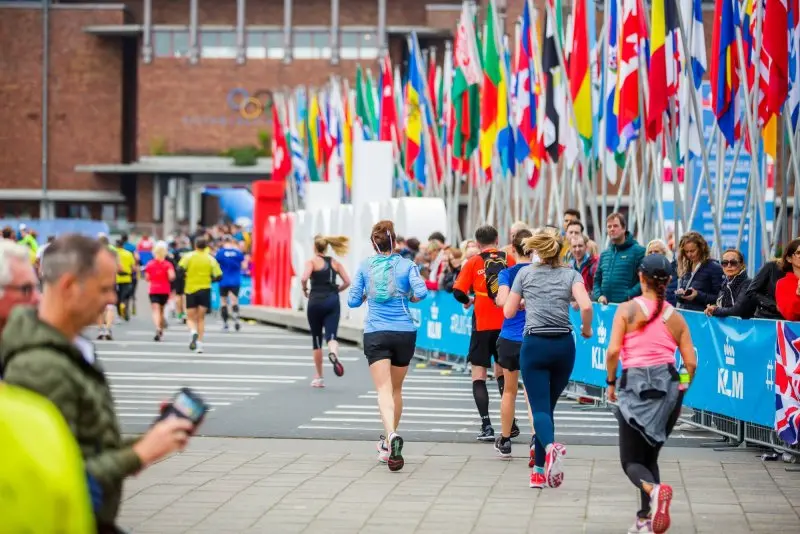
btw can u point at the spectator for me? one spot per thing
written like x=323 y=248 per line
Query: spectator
x=515 y=228
x=438 y=259
x=8 y=234
x=400 y=245
x=574 y=230
x=18 y=282
x=787 y=289
x=657 y=246
x=732 y=300
x=470 y=248
x=593 y=248
x=617 y=277
x=762 y=289
x=411 y=249
x=582 y=261
x=571 y=215
x=44 y=352
x=451 y=270
x=699 y=276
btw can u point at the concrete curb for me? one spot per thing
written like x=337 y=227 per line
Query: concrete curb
x=297 y=320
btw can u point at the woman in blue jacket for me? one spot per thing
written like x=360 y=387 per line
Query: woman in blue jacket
x=388 y=283
x=699 y=276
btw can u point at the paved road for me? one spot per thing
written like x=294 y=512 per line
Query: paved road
x=257 y=382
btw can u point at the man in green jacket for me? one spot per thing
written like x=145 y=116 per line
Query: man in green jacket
x=44 y=352
x=617 y=277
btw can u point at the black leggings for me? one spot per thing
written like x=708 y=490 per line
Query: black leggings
x=640 y=459
x=323 y=313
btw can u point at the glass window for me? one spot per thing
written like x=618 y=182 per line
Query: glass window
x=322 y=45
x=369 y=46
x=180 y=44
x=302 y=48
x=162 y=44
x=218 y=45
x=274 y=41
x=255 y=48
x=349 y=45
x=108 y=212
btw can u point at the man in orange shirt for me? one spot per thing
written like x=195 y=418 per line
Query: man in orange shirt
x=479 y=276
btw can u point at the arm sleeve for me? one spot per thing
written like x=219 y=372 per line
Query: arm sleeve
x=502 y=278
x=44 y=372
x=418 y=287
x=355 y=295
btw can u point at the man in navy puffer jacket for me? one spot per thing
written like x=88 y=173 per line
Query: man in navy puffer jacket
x=617 y=278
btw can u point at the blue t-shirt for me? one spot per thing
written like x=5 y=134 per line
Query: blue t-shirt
x=230 y=261
x=512 y=328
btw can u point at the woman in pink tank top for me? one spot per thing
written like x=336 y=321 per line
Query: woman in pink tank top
x=645 y=334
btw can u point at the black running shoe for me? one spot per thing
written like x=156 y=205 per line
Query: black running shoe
x=487 y=434
x=395 y=461
x=503 y=446
x=157 y=337
x=193 y=344
x=108 y=336
x=237 y=326
x=338 y=368
x=101 y=336
x=514 y=429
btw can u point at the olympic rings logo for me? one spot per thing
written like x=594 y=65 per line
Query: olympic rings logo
x=250 y=107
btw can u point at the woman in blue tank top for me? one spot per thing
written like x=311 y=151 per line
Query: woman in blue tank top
x=388 y=282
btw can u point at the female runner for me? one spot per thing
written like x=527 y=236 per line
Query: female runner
x=388 y=282
x=645 y=335
x=160 y=274
x=323 y=301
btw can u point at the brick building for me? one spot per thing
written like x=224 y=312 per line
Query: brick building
x=93 y=90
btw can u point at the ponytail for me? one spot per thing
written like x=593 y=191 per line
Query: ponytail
x=339 y=244
x=660 y=288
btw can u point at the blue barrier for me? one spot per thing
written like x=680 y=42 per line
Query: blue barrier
x=57 y=227
x=736 y=357
x=244 y=293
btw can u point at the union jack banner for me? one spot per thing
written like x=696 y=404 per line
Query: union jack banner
x=787 y=384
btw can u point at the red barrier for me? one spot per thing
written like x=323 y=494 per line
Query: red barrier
x=272 y=246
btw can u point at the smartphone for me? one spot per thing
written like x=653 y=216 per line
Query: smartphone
x=185 y=404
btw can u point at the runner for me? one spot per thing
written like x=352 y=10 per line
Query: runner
x=548 y=348
x=106 y=318
x=160 y=273
x=479 y=275
x=508 y=346
x=231 y=261
x=388 y=282
x=125 y=277
x=200 y=270
x=645 y=335
x=125 y=243
x=179 y=284
x=323 y=301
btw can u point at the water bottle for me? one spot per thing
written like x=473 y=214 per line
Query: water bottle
x=684 y=379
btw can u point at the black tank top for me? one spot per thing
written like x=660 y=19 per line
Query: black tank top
x=323 y=282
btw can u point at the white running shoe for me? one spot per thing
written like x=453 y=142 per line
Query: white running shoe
x=318 y=383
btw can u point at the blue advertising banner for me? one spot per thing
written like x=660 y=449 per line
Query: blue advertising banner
x=736 y=357
x=244 y=293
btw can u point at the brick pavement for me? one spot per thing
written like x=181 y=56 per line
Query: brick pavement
x=222 y=485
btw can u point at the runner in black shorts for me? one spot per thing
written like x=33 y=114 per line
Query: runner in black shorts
x=388 y=282
x=323 y=301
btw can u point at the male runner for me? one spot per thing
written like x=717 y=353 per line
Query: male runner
x=130 y=247
x=479 y=275
x=231 y=261
x=180 y=249
x=201 y=269
x=125 y=279
x=106 y=318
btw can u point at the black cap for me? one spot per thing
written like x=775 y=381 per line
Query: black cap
x=656 y=266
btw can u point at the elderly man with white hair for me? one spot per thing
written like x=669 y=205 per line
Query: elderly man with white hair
x=18 y=282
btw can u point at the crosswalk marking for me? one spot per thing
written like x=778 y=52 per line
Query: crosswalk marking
x=276 y=334
x=231 y=361
x=152 y=343
x=112 y=355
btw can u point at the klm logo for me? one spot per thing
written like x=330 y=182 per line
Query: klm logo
x=601 y=333
x=434 y=326
x=730 y=383
x=599 y=353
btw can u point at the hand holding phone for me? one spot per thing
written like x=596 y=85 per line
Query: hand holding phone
x=186 y=405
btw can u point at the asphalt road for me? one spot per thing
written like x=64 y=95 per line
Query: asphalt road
x=258 y=384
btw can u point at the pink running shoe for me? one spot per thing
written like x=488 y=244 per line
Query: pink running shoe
x=660 y=499
x=537 y=480
x=553 y=465
x=383 y=450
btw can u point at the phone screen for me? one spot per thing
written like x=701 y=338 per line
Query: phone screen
x=188 y=407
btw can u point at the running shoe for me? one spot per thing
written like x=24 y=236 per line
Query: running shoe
x=487 y=434
x=641 y=526
x=532 y=456
x=395 y=460
x=199 y=347
x=158 y=335
x=553 y=464
x=318 y=383
x=514 y=429
x=537 y=480
x=338 y=368
x=193 y=343
x=225 y=327
x=101 y=336
x=383 y=450
x=660 y=499
x=237 y=326
x=503 y=447
x=108 y=336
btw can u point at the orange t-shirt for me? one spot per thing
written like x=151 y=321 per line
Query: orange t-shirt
x=488 y=316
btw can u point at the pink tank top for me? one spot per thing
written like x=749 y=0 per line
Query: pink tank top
x=651 y=345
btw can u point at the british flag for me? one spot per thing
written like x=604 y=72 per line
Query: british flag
x=787 y=384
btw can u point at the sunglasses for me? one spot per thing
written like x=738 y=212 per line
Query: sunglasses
x=731 y=263
x=26 y=290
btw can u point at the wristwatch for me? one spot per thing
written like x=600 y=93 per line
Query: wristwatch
x=611 y=382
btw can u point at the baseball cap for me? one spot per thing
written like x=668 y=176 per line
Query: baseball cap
x=656 y=266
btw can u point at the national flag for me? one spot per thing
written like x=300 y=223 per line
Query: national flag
x=689 y=138
x=793 y=101
x=281 y=158
x=347 y=142
x=494 y=102
x=415 y=102
x=525 y=98
x=580 y=85
x=431 y=84
x=663 y=70
x=554 y=97
x=299 y=163
x=609 y=129
x=787 y=384
x=389 y=129
x=312 y=130
x=465 y=92
x=365 y=107
x=723 y=69
x=776 y=46
x=627 y=98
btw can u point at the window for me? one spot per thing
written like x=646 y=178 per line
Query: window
x=274 y=42
x=254 y=45
x=78 y=211
x=369 y=46
x=162 y=44
x=301 y=45
x=107 y=212
x=349 y=46
x=180 y=44
x=218 y=44
x=359 y=45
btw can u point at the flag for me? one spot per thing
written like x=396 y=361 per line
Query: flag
x=689 y=139
x=609 y=130
x=580 y=85
x=312 y=129
x=627 y=99
x=299 y=163
x=365 y=112
x=524 y=96
x=553 y=98
x=723 y=69
x=389 y=128
x=465 y=92
x=347 y=142
x=663 y=70
x=787 y=384
x=776 y=46
x=794 y=62
x=415 y=103
x=281 y=159
x=494 y=105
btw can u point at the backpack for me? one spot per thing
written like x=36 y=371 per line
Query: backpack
x=493 y=263
x=382 y=285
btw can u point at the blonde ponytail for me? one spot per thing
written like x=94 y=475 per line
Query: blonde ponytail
x=546 y=244
x=339 y=244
